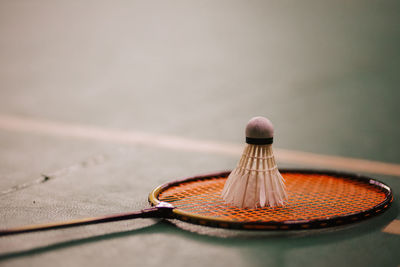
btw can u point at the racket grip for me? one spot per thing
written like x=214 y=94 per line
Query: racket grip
x=158 y=211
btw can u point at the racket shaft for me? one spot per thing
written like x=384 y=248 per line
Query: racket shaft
x=153 y=212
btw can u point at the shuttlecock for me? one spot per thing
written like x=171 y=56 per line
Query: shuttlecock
x=256 y=181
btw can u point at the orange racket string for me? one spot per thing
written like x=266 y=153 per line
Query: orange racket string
x=311 y=196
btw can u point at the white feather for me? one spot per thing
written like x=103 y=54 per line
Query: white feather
x=256 y=181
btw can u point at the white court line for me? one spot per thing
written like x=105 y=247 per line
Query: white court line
x=393 y=228
x=61 y=129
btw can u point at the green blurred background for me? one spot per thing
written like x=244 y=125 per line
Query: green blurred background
x=325 y=72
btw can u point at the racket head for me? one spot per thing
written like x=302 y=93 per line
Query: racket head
x=317 y=199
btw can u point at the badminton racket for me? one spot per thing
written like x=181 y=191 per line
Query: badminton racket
x=317 y=199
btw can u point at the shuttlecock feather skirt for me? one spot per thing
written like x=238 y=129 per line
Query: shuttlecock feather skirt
x=256 y=181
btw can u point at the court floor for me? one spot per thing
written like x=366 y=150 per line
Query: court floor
x=102 y=102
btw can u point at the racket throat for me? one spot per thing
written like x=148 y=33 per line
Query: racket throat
x=161 y=210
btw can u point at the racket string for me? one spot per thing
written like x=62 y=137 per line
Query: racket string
x=310 y=197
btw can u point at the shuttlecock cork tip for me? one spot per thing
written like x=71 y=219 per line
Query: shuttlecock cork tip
x=259 y=131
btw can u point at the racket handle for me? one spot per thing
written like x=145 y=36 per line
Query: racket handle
x=159 y=211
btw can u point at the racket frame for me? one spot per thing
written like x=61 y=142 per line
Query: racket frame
x=332 y=221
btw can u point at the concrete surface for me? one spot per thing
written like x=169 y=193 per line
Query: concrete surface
x=325 y=73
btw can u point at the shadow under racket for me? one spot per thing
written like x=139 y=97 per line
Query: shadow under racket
x=275 y=241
